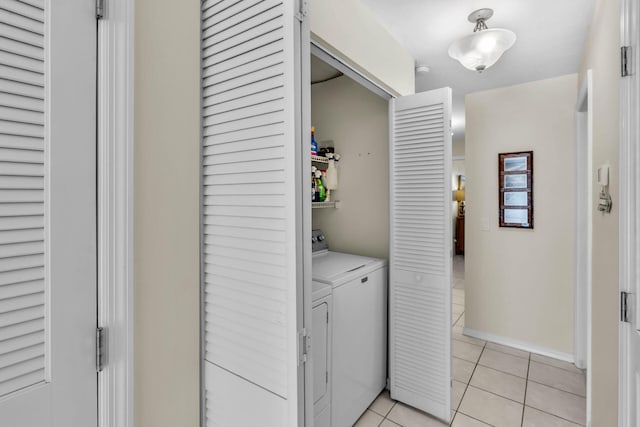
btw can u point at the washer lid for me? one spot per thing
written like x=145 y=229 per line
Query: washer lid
x=329 y=266
x=320 y=290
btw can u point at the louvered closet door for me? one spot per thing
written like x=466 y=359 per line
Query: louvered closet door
x=47 y=214
x=420 y=251
x=249 y=212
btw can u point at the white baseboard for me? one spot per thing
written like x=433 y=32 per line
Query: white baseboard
x=520 y=345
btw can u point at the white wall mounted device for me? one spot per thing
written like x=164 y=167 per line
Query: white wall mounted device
x=604 y=200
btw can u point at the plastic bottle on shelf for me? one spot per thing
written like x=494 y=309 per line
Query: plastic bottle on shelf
x=326 y=187
x=322 y=194
x=313 y=189
x=314 y=144
x=331 y=180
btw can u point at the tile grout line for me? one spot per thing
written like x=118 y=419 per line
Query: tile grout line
x=526 y=384
x=580 y=371
x=395 y=402
x=497 y=350
x=504 y=372
x=496 y=394
x=555 y=416
x=528 y=367
x=468 y=383
x=455 y=413
x=480 y=421
x=557 y=389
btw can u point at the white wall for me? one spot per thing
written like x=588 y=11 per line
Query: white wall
x=519 y=283
x=349 y=29
x=602 y=55
x=166 y=239
x=357 y=122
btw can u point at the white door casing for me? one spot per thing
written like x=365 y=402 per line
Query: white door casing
x=583 y=234
x=251 y=199
x=629 y=236
x=115 y=212
x=420 y=251
x=584 y=204
x=47 y=213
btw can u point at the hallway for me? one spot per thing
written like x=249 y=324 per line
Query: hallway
x=494 y=385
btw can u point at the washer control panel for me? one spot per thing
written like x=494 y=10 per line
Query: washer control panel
x=318 y=241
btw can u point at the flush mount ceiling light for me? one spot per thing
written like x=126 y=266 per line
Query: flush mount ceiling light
x=485 y=46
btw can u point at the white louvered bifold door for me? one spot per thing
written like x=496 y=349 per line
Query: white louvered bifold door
x=47 y=214
x=420 y=251
x=249 y=67
x=22 y=199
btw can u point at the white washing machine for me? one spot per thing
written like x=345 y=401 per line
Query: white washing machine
x=359 y=328
x=321 y=322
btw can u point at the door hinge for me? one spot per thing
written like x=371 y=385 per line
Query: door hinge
x=304 y=346
x=99 y=9
x=303 y=10
x=625 y=61
x=624 y=307
x=101 y=348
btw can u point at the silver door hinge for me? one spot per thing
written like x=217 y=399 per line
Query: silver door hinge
x=304 y=346
x=624 y=307
x=303 y=10
x=99 y=9
x=101 y=348
x=625 y=61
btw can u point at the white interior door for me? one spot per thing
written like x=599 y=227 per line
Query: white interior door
x=47 y=213
x=251 y=221
x=420 y=251
x=632 y=333
x=629 y=211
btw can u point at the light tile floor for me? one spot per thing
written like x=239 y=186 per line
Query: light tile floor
x=494 y=385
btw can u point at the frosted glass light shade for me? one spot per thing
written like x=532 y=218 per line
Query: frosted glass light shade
x=482 y=49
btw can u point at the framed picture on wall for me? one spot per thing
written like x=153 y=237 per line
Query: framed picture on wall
x=515 y=184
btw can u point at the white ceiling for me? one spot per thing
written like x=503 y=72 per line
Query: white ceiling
x=550 y=41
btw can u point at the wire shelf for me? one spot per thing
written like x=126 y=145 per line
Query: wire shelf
x=319 y=159
x=320 y=205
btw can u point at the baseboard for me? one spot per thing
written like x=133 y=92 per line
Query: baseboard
x=520 y=345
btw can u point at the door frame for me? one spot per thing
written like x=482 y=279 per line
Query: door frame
x=629 y=234
x=304 y=302
x=312 y=46
x=115 y=211
x=583 y=233
x=326 y=54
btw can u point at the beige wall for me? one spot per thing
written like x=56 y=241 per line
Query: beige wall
x=357 y=122
x=520 y=282
x=602 y=56
x=167 y=76
x=349 y=29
